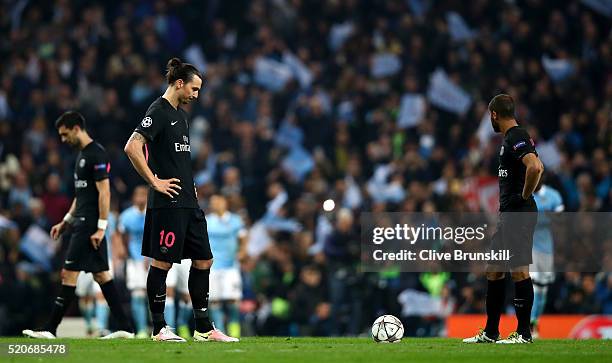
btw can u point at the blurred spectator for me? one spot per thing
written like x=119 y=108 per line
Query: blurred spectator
x=342 y=256
x=310 y=307
x=56 y=204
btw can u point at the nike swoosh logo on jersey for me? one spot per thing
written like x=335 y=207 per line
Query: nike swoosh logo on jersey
x=173 y=123
x=67 y=262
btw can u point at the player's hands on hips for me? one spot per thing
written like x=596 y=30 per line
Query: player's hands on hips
x=57 y=230
x=96 y=238
x=169 y=187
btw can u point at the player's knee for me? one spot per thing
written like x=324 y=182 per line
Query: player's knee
x=162 y=264
x=102 y=277
x=494 y=275
x=69 y=277
x=202 y=264
x=520 y=275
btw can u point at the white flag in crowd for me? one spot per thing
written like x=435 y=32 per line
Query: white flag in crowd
x=299 y=70
x=549 y=154
x=485 y=130
x=412 y=110
x=443 y=93
x=557 y=69
x=603 y=7
x=339 y=33
x=194 y=55
x=458 y=28
x=272 y=74
x=384 y=65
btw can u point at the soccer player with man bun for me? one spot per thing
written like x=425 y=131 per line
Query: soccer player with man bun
x=175 y=227
x=519 y=172
x=88 y=218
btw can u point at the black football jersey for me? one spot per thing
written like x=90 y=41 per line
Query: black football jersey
x=92 y=165
x=168 y=153
x=511 y=171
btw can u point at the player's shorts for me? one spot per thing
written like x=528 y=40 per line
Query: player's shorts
x=225 y=284
x=542 y=268
x=178 y=277
x=136 y=274
x=173 y=234
x=81 y=256
x=515 y=233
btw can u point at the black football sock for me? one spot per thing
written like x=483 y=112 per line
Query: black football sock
x=198 y=290
x=114 y=303
x=496 y=295
x=156 y=291
x=523 y=302
x=62 y=302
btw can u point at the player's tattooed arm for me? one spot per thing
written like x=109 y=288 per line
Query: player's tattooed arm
x=138 y=137
x=134 y=148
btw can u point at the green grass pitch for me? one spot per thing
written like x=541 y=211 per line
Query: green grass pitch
x=318 y=350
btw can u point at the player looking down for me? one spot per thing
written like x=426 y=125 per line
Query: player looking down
x=88 y=217
x=519 y=172
x=175 y=227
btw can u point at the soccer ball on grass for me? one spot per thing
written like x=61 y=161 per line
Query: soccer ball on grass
x=387 y=329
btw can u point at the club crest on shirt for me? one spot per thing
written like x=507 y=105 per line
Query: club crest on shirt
x=81 y=163
x=519 y=144
x=146 y=122
x=501 y=151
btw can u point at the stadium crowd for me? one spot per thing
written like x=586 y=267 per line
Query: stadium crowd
x=379 y=105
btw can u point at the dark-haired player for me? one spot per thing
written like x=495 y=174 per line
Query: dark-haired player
x=88 y=217
x=175 y=227
x=519 y=172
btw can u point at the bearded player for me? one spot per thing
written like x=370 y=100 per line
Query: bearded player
x=175 y=226
x=88 y=218
x=519 y=172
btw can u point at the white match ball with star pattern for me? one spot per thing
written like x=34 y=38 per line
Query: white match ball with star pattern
x=387 y=329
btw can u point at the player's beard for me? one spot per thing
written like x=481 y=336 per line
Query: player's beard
x=186 y=100
x=74 y=143
x=495 y=125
